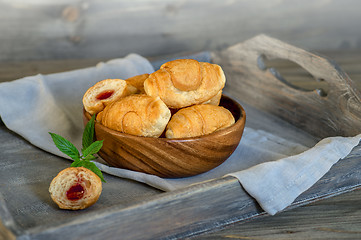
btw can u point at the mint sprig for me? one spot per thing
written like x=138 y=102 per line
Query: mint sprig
x=88 y=150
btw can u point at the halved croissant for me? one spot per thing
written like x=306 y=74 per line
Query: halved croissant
x=139 y=114
x=185 y=82
x=198 y=120
x=75 y=188
x=105 y=92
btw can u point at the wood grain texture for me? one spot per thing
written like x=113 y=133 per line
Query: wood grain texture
x=334 y=218
x=338 y=113
x=32 y=209
x=38 y=29
x=185 y=214
x=194 y=210
x=182 y=157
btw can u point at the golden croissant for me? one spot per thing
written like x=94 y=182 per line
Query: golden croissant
x=138 y=81
x=198 y=120
x=185 y=82
x=137 y=114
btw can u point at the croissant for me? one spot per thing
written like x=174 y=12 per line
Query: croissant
x=75 y=188
x=214 y=100
x=139 y=114
x=184 y=82
x=138 y=81
x=198 y=120
x=105 y=92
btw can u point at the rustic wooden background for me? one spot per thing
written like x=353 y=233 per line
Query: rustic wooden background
x=69 y=34
x=68 y=29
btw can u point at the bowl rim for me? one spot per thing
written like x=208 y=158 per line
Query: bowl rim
x=239 y=123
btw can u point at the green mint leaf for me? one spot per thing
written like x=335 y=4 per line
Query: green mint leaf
x=75 y=163
x=93 y=148
x=90 y=157
x=65 y=146
x=89 y=148
x=91 y=166
x=88 y=134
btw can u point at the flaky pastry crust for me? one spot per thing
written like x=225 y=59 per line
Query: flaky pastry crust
x=138 y=114
x=185 y=82
x=138 y=81
x=198 y=120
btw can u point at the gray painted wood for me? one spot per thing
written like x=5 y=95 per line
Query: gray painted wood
x=323 y=114
x=177 y=214
x=135 y=211
x=334 y=218
x=29 y=212
x=40 y=29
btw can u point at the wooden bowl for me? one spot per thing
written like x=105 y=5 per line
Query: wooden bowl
x=171 y=158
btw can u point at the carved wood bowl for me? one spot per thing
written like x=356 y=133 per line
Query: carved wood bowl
x=171 y=158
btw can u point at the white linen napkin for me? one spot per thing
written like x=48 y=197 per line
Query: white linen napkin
x=272 y=169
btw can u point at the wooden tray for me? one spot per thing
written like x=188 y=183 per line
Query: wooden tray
x=131 y=210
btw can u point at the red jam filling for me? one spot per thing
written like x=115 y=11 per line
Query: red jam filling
x=105 y=95
x=75 y=192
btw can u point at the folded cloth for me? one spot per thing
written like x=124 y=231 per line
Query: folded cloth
x=33 y=106
x=272 y=169
x=277 y=184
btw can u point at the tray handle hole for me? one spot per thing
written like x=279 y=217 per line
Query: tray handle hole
x=293 y=75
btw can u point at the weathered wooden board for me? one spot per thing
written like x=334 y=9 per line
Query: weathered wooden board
x=41 y=29
x=28 y=211
x=132 y=210
x=135 y=211
x=338 y=217
x=323 y=114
